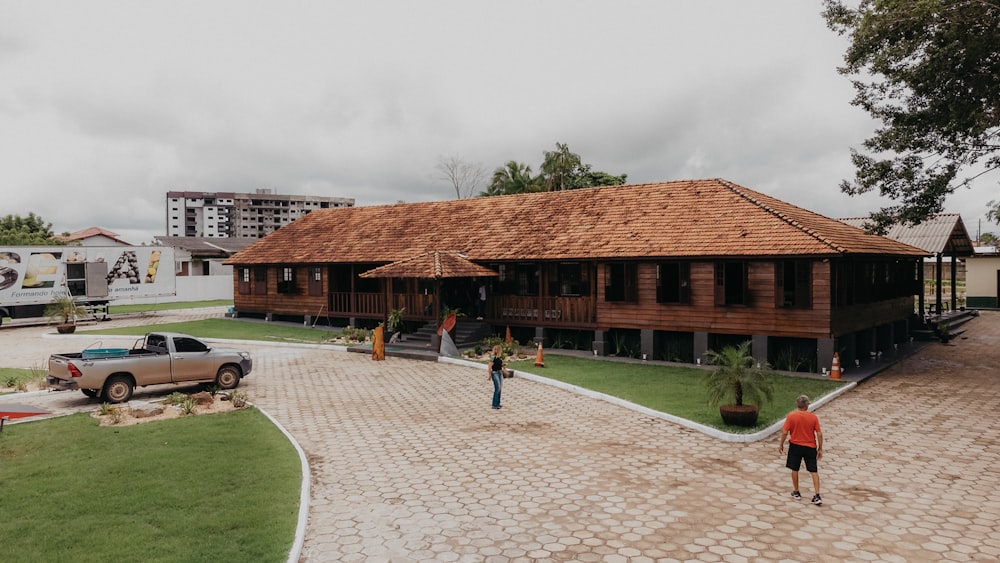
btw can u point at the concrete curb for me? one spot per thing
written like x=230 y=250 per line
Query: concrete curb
x=304 y=493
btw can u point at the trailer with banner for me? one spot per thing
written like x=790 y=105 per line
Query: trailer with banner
x=32 y=277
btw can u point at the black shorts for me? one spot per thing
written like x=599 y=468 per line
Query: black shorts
x=797 y=453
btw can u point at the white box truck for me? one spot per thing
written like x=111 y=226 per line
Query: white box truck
x=32 y=276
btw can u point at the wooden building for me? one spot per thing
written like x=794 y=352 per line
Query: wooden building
x=666 y=271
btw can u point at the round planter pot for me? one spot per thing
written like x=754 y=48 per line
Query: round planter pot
x=65 y=329
x=739 y=415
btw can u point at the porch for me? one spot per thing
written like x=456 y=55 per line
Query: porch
x=567 y=312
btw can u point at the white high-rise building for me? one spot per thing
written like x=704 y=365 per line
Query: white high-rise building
x=239 y=215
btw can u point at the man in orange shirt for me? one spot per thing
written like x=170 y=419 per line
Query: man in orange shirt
x=805 y=442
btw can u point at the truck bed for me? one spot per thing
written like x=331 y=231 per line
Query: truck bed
x=131 y=354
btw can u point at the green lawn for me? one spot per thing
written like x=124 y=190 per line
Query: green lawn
x=19 y=379
x=679 y=391
x=168 y=306
x=234 y=329
x=220 y=487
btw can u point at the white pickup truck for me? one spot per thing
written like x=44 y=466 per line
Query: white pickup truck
x=112 y=374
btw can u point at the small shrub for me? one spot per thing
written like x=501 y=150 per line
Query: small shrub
x=239 y=399
x=104 y=409
x=213 y=390
x=189 y=406
x=117 y=414
x=176 y=398
x=22 y=385
x=10 y=381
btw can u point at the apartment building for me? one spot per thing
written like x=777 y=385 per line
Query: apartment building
x=239 y=215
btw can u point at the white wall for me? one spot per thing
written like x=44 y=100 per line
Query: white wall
x=192 y=288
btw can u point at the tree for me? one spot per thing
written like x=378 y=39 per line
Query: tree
x=565 y=170
x=463 y=176
x=512 y=178
x=738 y=377
x=30 y=230
x=988 y=238
x=559 y=168
x=929 y=70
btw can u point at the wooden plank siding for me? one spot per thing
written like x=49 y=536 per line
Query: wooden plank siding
x=760 y=316
x=297 y=303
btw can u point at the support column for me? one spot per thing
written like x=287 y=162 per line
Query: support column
x=824 y=353
x=758 y=348
x=646 y=344
x=700 y=346
x=600 y=346
x=540 y=337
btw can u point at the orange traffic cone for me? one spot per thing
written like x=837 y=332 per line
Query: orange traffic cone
x=835 y=368
x=508 y=340
x=539 y=360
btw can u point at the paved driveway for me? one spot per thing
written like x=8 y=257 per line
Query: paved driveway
x=410 y=464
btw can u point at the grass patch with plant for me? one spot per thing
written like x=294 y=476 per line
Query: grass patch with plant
x=223 y=487
x=18 y=379
x=679 y=391
x=234 y=329
x=147 y=307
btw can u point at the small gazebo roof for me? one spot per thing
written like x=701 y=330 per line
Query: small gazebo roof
x=431 y=265
x=943 y=233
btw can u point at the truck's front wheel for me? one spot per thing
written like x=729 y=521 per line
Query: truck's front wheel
x=228 y=377
x=117 y=389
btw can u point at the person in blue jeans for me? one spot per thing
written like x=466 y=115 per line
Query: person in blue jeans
x=496 y=374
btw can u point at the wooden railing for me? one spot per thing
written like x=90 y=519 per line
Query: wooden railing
x=548 y=311
x=357 y=304
x=543 y=311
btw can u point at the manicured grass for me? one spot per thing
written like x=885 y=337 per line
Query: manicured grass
x=228 y=328
x=22 y=379
x=220 y=487
x=679 y=391
x=142 y=308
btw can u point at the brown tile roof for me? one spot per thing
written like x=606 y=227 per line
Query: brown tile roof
x=91 y=232
x=431 y=265
x=691 y=218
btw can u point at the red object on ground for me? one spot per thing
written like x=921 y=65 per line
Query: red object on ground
x=448 y=324
x=539 y=359
x=20 y=411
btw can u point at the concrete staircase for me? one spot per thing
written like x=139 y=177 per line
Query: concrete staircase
x=467 y=333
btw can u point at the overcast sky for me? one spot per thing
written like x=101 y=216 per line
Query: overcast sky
x=107 y=105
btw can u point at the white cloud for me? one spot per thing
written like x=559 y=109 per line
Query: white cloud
x=106 y=105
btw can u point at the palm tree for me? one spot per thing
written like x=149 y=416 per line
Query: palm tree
x=561 y=169
x=512 y=178
x=739 y=377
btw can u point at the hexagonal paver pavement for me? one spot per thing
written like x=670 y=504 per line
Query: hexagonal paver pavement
x=409 y=463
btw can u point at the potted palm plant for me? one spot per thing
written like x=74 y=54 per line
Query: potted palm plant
x=395 y=322
x=65 y=310
x=737 y=377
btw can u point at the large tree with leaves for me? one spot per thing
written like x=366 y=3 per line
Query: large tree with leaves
x=30 y=230
x=512 y=178
x=561 y=170
x=565 y=170
x=929 y=70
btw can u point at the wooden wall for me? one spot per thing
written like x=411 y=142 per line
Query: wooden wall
x=298 y=303
x=760 y=316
